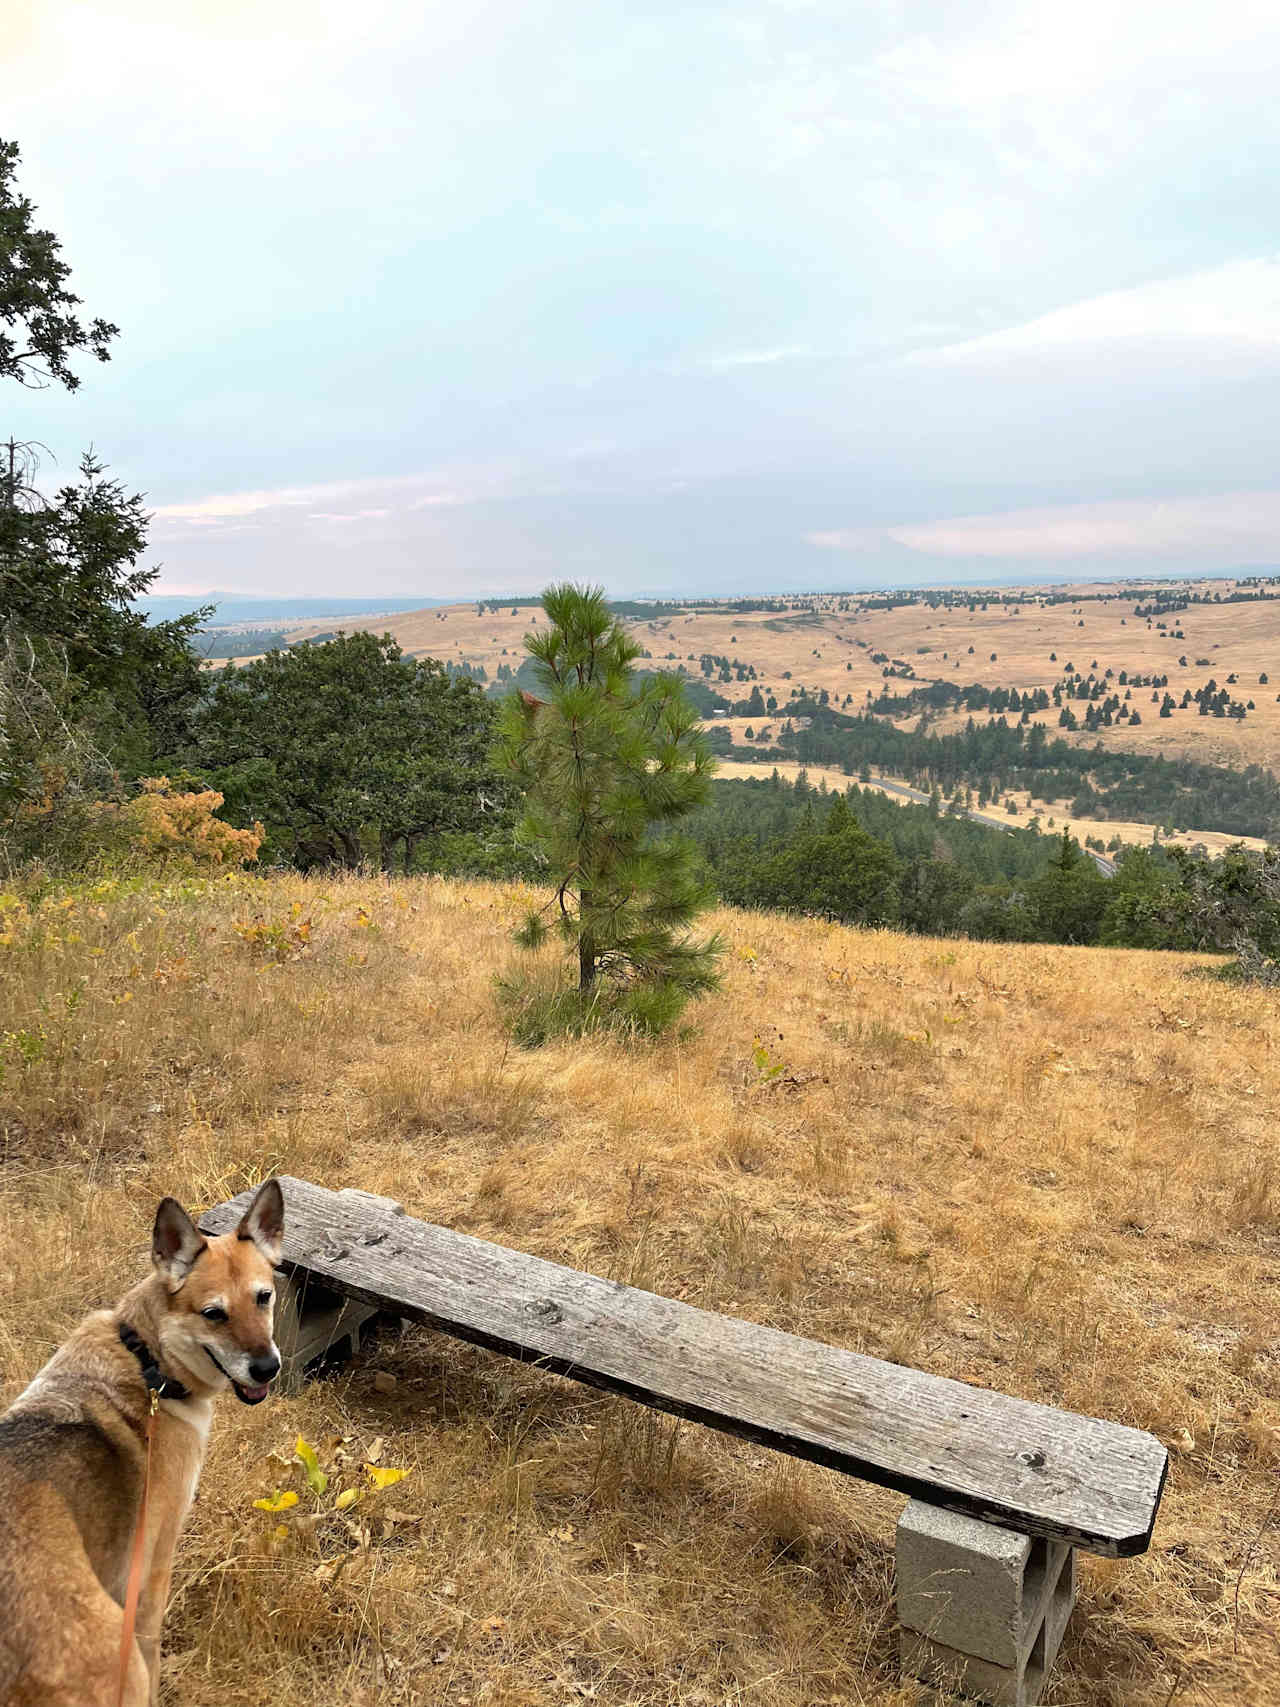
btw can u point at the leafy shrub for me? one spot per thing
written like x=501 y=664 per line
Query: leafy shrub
x=165 y=827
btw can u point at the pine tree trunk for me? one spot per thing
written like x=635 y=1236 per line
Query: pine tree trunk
x=586 y=948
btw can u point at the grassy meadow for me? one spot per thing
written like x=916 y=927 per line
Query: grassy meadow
x=1046 y=1170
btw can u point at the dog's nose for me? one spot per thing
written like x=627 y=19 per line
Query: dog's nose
x=265 y=1369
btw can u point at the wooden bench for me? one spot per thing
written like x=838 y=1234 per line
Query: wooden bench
x=1002 y=1490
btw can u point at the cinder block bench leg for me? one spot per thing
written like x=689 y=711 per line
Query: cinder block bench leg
x=982 y=1609
x=310 y=1322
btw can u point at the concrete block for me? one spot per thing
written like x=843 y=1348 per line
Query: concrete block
x=313 y=1322
x=982 y=1608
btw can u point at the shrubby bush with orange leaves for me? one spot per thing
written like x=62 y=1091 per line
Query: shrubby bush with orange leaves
x=162 y=825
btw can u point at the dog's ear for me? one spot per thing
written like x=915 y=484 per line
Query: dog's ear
x=263 y=1221
x=176 y=1242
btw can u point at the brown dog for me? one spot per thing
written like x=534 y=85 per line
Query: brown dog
x=73 y=1448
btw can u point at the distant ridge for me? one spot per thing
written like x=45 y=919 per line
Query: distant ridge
x=242 y=607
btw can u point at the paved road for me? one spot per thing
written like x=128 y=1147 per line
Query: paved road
x=1106 y=866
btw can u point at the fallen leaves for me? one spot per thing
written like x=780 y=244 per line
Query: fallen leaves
x=384 y=1478
x=317 y=1481
x=277 y=1502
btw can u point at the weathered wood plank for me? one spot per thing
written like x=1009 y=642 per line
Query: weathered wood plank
x=1045 y=1472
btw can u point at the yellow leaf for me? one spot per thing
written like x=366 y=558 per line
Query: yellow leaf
x=317 y=1481
x=280 y=1532
x=384 y=1478
x=277 y=1502
x=346 y=1499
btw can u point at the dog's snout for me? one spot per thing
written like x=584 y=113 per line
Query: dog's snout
x=266 y=1368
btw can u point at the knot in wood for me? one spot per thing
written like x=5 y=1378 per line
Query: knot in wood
x=1032 y=1460
x=546 y=1310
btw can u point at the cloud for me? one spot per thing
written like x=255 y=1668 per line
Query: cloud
x=755 y=358
x=1237 y=304
x=222 y=507
x=1223 y=530
x=349 y=516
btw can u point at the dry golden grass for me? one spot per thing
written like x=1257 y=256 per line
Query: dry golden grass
x=1046 y=1170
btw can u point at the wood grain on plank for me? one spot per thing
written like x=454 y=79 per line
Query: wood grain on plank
x=1009 y=1461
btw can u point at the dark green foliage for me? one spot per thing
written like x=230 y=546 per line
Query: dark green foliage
x=742 y=818
x=69 y=577
x=1067 y=901
x=39 y=331
x=491 y=852
x=609 y=762
x=932 y=896
x=524 y=676
x=1099 y=781
x=348 y=749
x=778 y=844
x=703 y=698
x=244 y=643
x=537 y=1012
x=838 y=872
x=90 y=693
x=997 y=913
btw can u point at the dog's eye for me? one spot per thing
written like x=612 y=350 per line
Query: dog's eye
x=264 y=1298
x=214 y=1313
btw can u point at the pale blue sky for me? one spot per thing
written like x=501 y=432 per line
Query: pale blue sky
x=425 y=299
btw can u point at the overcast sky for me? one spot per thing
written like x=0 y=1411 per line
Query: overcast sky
x=425 y=298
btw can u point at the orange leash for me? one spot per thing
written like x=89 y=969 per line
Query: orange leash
x=133 y=1592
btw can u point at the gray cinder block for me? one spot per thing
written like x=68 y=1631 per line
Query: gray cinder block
x=983 y=1609
x=312 y=1322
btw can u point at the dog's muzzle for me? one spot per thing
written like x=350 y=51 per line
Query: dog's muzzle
x=263 y=1369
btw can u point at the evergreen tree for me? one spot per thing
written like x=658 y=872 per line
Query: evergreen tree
x=838 y=872
x=91 y=694
x=609 y=762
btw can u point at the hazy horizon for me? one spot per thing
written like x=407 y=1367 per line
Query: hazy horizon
x=258 y=606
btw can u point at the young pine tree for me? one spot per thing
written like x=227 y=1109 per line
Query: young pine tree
x=608 y=764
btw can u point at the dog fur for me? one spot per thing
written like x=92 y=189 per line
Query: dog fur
x=73 y=1448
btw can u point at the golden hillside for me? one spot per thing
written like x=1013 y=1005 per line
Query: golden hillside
x=829 y=648
x=1007 y=645
x=1050 y=1171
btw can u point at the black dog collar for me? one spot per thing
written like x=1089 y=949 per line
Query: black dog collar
x=163 y=1386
